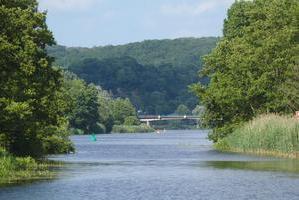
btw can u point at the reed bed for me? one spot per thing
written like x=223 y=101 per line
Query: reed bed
x=267 y=135
x=14 y=169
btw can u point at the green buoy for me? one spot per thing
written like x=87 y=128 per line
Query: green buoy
x=93 y=137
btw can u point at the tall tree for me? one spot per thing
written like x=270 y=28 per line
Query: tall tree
x=31 y=106
x=85 y=114
x=121 y=109
x=252 y=64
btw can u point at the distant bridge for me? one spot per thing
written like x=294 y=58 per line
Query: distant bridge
x=151 y=118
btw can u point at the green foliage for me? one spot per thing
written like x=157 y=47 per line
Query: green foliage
x=57 y=145
x=76 y=131
x=151 y=89
x=132 y=129
x=121 y=109
x=270 y=134
x=254 y=68
x=175 y=125
x=222 y=145
x=177 y=52
x=83 y=105
x=153 y=74
x=31 y=103
x=13 y=169
x=182 y=110
x=198 y=110
x=93 y=110
x=85 y=114
x=131 y=121
x=105 y=110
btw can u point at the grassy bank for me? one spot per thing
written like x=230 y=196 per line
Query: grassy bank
x=132 y=129
x=271 y=134
x=14 y=170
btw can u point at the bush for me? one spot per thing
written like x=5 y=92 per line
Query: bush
x=131 y=121
x=57 y=145
x=76 y=131
x=132 y=129
x=99 y=128
x=14 y=169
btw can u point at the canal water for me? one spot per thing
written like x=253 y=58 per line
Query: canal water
x=176 y=165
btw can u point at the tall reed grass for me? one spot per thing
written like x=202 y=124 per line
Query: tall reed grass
x=13 y=169
x=267 y=134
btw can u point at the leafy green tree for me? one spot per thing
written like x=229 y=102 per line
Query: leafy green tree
x=252 y=65
x=31 y=103
x=182 y=110
x=85 y=115
x=179 y=52
x=105 y=110
x=154 y=74
x=131 y=121
x=74 y=87
x=198 y=110
x=121 y=109
x=290 y=89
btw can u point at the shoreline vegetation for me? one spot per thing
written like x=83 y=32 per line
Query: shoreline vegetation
x=24 y=169
x=266 y=135
x=142 y=128
x=253 y=74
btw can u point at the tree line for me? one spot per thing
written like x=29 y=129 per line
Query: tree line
x=153 y=74
x=40 y=104
x=152 y=90
x=92 y=109
x=254 y=68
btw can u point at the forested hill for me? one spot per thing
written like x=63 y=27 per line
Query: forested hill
x=154 y=74
x=182 y=51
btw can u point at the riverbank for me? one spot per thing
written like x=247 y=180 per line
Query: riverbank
x=16 y=170
x=269 y=135
x=132 y=129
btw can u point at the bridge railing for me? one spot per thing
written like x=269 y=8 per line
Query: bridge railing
x=141 y=117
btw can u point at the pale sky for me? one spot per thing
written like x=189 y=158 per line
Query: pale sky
x=90 y=23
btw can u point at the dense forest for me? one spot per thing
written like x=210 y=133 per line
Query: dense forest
x=153 y=74
x=90 y=109
x=178 y=52
x=41 y=104
x=254 y=68
x=32 y=106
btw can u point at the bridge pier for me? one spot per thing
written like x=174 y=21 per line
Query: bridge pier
x=148 y=123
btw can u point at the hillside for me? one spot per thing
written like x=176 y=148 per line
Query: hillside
x=182 y=51
x=154 y=74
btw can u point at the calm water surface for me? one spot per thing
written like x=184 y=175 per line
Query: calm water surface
x=176 y=165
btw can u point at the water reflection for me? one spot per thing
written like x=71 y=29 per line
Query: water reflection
x=291 y=166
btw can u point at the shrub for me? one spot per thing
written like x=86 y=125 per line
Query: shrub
x=132 y=129
x=131 y=121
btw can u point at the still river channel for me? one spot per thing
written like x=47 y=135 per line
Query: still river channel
x=176 y=165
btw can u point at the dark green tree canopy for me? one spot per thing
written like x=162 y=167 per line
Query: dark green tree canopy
x=85 y=115
x=153 y=74
x=121 y=110
x=30 y=100
x=252 y=65
x=182 y=110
